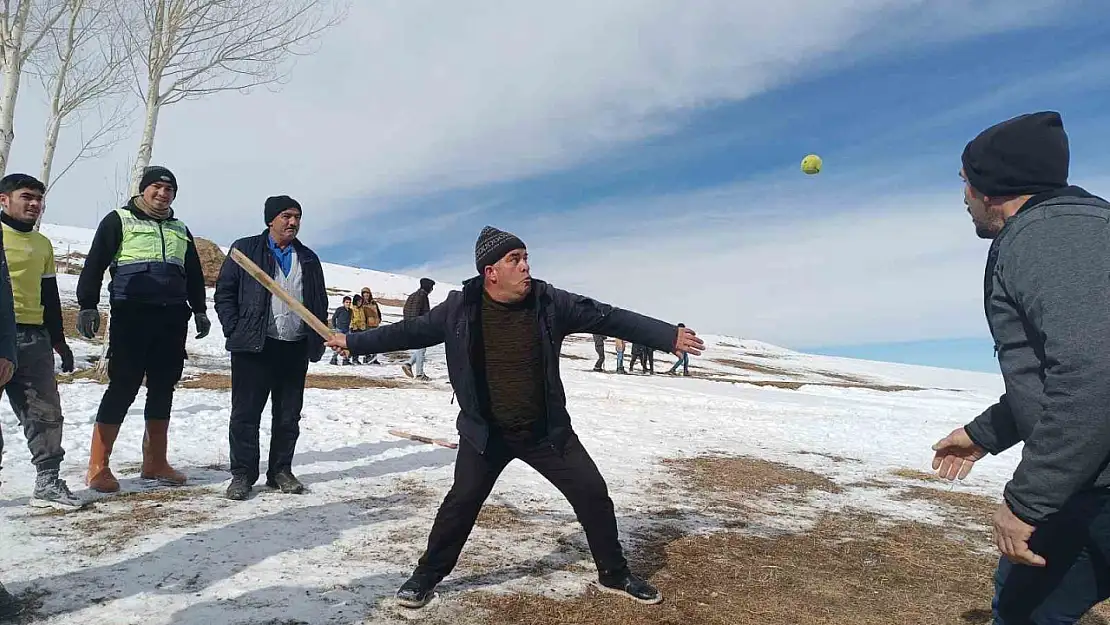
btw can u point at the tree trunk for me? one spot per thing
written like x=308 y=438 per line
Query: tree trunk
x=13 y=70
x=146 y=145
x=53 y=129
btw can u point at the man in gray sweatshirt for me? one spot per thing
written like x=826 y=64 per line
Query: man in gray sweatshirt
x=1047 y=303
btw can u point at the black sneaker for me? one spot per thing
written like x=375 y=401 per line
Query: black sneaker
x=10 y=607
x=286 y=482
x=416 y=592
x=628 y=585
x=240 y=488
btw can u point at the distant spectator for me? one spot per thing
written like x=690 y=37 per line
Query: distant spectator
x=418 y=305
x=683 y=360
x=637 y=351
x=358 y=315
x=620 y=355
x=341 y=322
x=599 y=347
x=373 y=314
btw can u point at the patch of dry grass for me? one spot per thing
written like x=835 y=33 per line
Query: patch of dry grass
x=133 y=515
x=80 y=374
x=848 y=569
x=220 y=382
x=751 y=366
x=914 y=474
x=572 y=356
x=969 y=506
x=746 y=477
x=499 y=517
x=833 y=457
x=69 y=323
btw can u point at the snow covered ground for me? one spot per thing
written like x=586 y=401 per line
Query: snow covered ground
x=337 y=553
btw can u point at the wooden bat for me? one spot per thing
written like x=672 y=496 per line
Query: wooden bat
x=265 y=280
x=424 y=439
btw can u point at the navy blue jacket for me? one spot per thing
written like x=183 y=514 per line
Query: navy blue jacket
x=243 y=304
x=457 y=323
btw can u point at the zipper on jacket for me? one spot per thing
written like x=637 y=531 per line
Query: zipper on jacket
x=162 y=235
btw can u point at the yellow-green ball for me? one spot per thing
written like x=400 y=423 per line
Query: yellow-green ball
x=811 y=164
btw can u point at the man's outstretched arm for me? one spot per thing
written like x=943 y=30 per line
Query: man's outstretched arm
x=582 y=314
x=418 y=332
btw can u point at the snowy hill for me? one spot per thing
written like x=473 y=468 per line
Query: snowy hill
x=337 y=553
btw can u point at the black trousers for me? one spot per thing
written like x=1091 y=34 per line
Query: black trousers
x=573 y=472
x=278 y=374
x=1075 y=543
x=148 y=341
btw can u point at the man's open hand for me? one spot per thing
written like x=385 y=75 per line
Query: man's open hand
x=956 y=455
x=688 y=343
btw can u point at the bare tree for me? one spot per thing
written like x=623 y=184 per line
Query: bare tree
x=82 y=72
x=22 y=28
x=188 y=49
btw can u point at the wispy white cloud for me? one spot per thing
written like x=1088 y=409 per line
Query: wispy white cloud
x=418 y=95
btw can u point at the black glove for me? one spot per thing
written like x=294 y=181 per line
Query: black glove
x=204 y=326
x=63 y=350
x=88 y=322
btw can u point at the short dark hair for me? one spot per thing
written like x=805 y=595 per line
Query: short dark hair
x=347 y=298
x=14 y=182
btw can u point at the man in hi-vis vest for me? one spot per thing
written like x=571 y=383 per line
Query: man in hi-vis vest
x=157 y=282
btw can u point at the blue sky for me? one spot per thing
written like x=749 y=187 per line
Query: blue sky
x=648 y=153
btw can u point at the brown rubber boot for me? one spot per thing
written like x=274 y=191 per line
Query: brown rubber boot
x=155 y=465
x=99 y=476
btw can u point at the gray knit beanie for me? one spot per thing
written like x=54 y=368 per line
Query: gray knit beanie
x=492 y=245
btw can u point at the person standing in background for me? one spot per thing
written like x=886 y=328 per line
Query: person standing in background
x=373 y=315
x=620 y=355
x=270 y=345
x=341 y=322
x=683 y=361
x=157 y=282
x=599 y=347
x=417 y=305
x=33 y=390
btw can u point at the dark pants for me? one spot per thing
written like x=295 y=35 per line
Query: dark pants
x=1075 y=543
x=33 y=393
x=600 y=349
x=277 y=374
x=573 y=472
x=143 y=341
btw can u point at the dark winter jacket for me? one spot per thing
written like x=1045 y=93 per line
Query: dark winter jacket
x=417 y=304
x=341 y=319
x=244 y=305
x=457 y=323
x=1047 y=301
x=161 y=289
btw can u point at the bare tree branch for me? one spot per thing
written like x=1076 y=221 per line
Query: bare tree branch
x=82 y=68
x=188 y=49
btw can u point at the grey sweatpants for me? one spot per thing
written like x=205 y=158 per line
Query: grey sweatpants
x=33 y=393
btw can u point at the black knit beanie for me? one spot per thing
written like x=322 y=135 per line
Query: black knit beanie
x=157 y=173
x=1025 y=155
x=492 y=245
x=278 y=204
